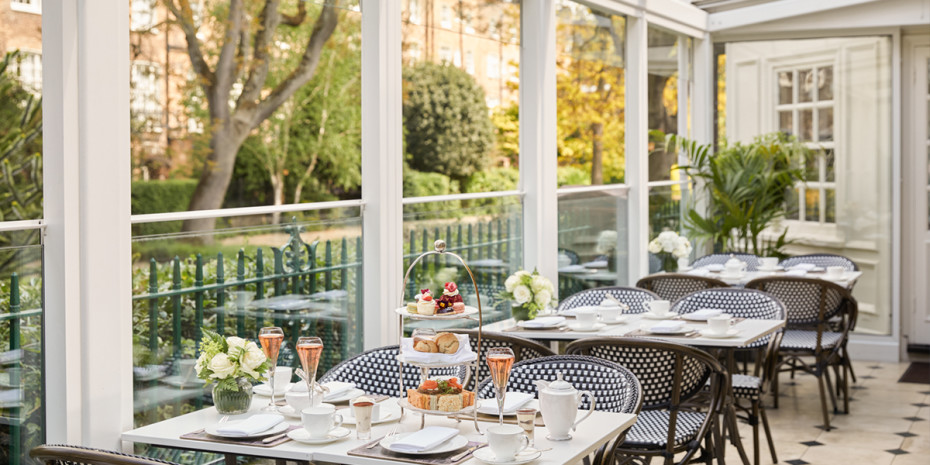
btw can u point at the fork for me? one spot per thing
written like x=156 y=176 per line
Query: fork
x=391 y=433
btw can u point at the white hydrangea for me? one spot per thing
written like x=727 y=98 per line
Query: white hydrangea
x=522 y=294
x=655 y=246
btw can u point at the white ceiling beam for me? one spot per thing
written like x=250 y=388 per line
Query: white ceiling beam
x=774 y=11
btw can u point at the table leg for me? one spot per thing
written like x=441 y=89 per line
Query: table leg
x=730 y=411
x=554 y=346
x=230 y=459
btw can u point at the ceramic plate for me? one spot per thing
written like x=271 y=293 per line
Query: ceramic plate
x=777 y=268
x=289 y=412
x=597 y=327
x=527 y=455
x=553 y=322
x=279 y=428
x=469 y=310
x=404 y=403
x=264 y=389
x=452 y=444
x=390 y=411
x=653 y=316
x=681 y=330
x=620 y=319
x=730 y=333
x=178 y=381
x=302 y=435
x=714 y=267
x=693 y=317
x=345 y=396
x=731 y=277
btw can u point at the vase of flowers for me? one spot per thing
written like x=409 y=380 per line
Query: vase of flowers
x=530 y=293
x=607 y=246
x=669 y=247
x=231 y=363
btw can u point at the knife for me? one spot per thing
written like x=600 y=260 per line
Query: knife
x=462 y=455
x=274 y=438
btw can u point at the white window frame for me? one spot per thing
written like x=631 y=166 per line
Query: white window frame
x=34 y=83
x=27 y=6
x=492 y=66
x=148 y=108
x=135 y=22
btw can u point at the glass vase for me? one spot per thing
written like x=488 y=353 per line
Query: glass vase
x=233 y=402
x=520 y=312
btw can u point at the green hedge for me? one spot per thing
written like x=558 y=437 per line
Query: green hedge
x=171 y=195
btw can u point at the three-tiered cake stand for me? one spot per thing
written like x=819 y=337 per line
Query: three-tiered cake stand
x=471 y=366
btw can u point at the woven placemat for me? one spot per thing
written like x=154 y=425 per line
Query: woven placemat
x=201 y=435
x=378 y=452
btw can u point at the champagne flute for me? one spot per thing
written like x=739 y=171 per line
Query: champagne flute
x=309 y=350
x=271 y=338
x=500 y=359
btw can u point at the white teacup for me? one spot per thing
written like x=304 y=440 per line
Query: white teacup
x=300 y=400
x=320 y=420
x=658 y=307
x=683 y=263
x=610 y=314
x=585 y=317
x=506 y=441
x=768 y=263
x=834 y=272
x=719 y=324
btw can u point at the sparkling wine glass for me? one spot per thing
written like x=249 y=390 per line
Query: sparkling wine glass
x=500 y=359
x=271 y=339
x=309 y=350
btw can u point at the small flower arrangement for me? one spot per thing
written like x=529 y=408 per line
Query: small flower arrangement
x=532 y=292
x=225 y=360
x=669 y=246
x=606 y=242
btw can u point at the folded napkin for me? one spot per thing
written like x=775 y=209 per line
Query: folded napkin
x=795 y=272
x=699 y=272
x=512 y=402
x=253 y=425
x=714 y=267
x=704 y=314
x=572 y=269
x=544 y=322
x=425 y=439
x=803 y=266
x=667 y=326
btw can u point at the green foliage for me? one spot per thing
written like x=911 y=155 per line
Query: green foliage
x=573 y=176
x=420 y=184
x=446 y=121
x=170 y=195
x=507 y=122
x=746 y=186
x=493 y=179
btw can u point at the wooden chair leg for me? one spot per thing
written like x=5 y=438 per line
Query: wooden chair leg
x=768 y=432
x=823 y=402
x=826 y=375
x=775 y=388
x=754 y=422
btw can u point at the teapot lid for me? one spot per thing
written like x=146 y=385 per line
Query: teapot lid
x=560 y=384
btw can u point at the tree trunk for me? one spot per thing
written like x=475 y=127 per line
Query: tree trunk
x=597 y=154
x=277 y=185
x=217 y=172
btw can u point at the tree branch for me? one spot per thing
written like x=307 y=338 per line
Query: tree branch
x=225 y=65
x=297 y=19
x=258 y=69
x=185 y=18
x=322 y=30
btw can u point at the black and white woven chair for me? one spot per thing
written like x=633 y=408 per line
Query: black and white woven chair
x=56 y=454
x=822 y=260
x=746 y=303
x=673 y=286
x=523 y=349
x=571 y=254
x=631 y=296
x=614 y=387
x=671 y=376
x=811 y=304
x=752 y=261
x=376 y=370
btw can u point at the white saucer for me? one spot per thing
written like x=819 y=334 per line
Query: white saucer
x=527 y=455
x=302 y=435
x=682 y=269
x=289 y=412
x=681 y=330
x=279 y=428
x=731 y=277
x=653 y=316
x=178 y=381
x=454 y=443
x=714 y=267
x=730 y=333
x=265 y=390
x=345 y=396
x=620 y=320
x=591 y=329
x=776 y=268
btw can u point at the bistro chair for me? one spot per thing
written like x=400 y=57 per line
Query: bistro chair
x=822 y=260
x=523 y=349
x=752 y=261
x=615 y=388
x=747 y=303
x=671 y=376
x=56 y=454
x=810 y=305
x=376 y=370
x=673 y=286
x=571 y=254
x=631 y=296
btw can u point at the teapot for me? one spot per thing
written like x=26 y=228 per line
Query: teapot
x=558 y=404
x=734 y=266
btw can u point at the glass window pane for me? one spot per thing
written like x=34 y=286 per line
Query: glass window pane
x=830 y=205
x=806 y=125
x=792 y=207
x=812 y=167
x=812 y=205
x=21 y=124
x=590 y=84
x=805 y=85
x=825 y=124
x=830 y=160
x=592 y=229
x=825 y=83
x=663 y=99
x=785 y=86
x=784 y=122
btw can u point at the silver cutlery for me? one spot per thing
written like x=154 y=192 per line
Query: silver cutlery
x=392 y=433
x=274 y=438
x=460 y=456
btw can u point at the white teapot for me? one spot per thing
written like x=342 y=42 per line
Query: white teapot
x=734 y=266
x=558 y=403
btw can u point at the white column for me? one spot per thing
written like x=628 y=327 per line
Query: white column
x=63 y=387
x=538 y=137
x=637 y=144
x=702 y=100
x=104 y=229
x=382 y=169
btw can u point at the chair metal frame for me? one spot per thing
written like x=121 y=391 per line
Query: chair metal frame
x=752 y=260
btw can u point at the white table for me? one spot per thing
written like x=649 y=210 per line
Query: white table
x=598 y=429
x=847 y=280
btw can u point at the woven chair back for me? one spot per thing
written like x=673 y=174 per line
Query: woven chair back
x=523 y=349
x=673 y=286
x=752 y=261
x=376 y=370
x=631 y=296
x=60 y=454
x=808 y=302
x=822 y=260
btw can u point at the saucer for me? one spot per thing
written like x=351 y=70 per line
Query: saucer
x=726 y=276
x=775 y=268
x=302 y=435
x=682 y=269
x=527 y=455
x=288 y=411
x=679 y=330
x=264 y=389
x=653 y=316
x=620 y=320
x=590 y=329
x=730 y=333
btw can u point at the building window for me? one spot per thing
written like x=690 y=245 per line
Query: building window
x=445 y=55
x=413 y=11
x=804 y=108
x=142 y=15
x=26 y=6
x=145 y=97
x=445 y=18
x=413 y=52
x=493 y=67
x=457 y=58
x=29 y=71
x=470 y=62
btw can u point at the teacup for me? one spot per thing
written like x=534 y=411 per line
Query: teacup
x=585 y=318
x=658 y=307
x=610 y=314
x=719 y=324
x=834 y=272
x=768 y=263
x=320 y=420
x=734 y=267
x=683 y=263
x=506 y=441
x=300 y=400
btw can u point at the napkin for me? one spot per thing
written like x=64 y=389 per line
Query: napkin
x=796 y=272
x=512 y=402
x=425 y=439
x=252 y=425
x=803 y=266
x=699 y=272
x=667 y=326
x=704 y=314
x=572 y=269
x=544 y=322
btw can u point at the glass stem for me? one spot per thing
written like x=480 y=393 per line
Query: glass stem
x=500 y=406
x=272 y=402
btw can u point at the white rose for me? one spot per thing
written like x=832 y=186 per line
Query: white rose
x=251 y=359
x=681 y=252
x=221 y=366
x=540 y=283
x=543 y=298
x=522 y=273
x=654 y=246
x=236 y=343
x=511 y=283
x=522 y=294
x=201 y=363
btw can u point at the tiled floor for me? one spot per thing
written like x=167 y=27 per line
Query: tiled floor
x=888 y=423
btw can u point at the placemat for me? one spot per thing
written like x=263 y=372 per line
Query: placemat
x=378 y=452
x=643 y=333
x=735 y=320
x=201 y=435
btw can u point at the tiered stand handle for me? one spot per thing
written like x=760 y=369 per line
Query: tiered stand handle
x=440 y=249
